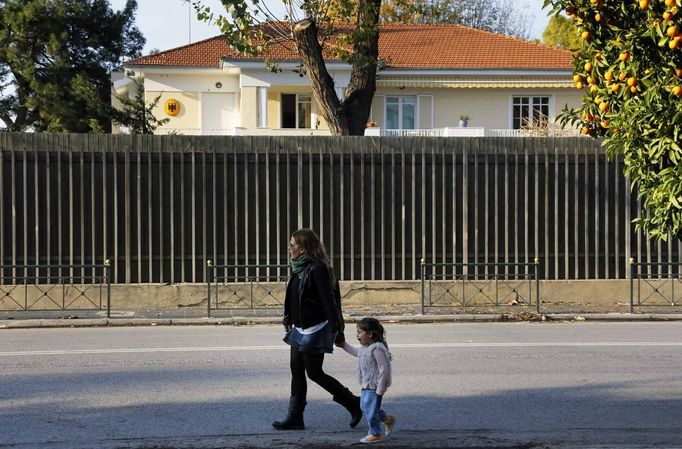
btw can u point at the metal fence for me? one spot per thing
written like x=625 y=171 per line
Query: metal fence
x=654 y=284
x=245 y=286
x=160 y=206
x=61 y=287
x=480 y=285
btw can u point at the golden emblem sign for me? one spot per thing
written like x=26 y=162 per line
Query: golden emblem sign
x=172 y=106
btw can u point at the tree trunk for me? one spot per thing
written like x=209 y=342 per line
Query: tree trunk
x=350 y=116
x=305 y=34
x=363 y=81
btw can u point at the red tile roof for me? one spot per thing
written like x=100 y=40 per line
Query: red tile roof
x=402 y=46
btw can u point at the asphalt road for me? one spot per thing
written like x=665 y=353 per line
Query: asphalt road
x=509 y=385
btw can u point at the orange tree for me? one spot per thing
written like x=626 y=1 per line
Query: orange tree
x=630 y=68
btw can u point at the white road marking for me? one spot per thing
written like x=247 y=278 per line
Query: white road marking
x=393 y=346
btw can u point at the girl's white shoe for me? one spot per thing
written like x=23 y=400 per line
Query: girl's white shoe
x=372 y=439
x=389 y=421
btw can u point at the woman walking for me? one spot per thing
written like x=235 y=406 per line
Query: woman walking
x=313 y=321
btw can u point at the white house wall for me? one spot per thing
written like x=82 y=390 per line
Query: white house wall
x=191 y=83
x=264 y=78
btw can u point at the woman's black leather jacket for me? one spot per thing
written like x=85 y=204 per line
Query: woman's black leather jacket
x=318 y=299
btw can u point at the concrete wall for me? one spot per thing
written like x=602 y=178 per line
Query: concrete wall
x=576 y=296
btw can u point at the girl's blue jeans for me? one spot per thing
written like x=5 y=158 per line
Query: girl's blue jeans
x=370 y=403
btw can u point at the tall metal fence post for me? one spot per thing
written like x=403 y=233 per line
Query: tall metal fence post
x=422 y=278
x=632 y=284
x=536 y=262
x=107 y=270
x=209 y=276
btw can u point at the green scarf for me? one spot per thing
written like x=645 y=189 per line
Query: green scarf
x=298 y=265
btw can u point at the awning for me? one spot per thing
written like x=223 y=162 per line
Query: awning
x=461 y=82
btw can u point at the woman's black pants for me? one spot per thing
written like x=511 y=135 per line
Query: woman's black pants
x=305 y=364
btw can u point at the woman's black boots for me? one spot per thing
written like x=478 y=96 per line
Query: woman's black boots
x=352 y=404
x=294 y=419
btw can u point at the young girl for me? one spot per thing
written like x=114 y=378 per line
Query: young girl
x=374 y=374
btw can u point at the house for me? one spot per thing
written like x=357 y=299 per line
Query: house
x=433 y=74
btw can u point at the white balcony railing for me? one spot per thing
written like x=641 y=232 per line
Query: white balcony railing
x=433 y=132
x=540 y=132
x=239 y=131
x=199 y=131
x=473 y=132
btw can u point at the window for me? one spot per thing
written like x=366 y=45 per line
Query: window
x=296 y=111
x=400 y=112
x=303 y=110
x=530 y=112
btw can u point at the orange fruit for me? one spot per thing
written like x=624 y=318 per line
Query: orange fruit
x=586 y=35
x=669 y=3
x=678 y=73
x=644 y=4
x=604 y=123
x=677 y=91
x=672 y=31
x=622 y=76
x=577 y=78
x=615 y=88
x=590 y=80
x=634 y=89
x=588 y=66
x=579 y=85
x=632 y=81
x=624 y=56
x=585 y=131
x=667 y=15
x=673 y=43
x=594 y=89
x=609 y=76
x=597 y=17
x=604 y=106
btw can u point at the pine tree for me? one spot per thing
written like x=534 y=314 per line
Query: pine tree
x=55 y=60
x=135 y=114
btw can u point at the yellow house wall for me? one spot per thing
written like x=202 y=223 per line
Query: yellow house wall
x=489 y=108
x=274 y=113
x=249 y=107
x=188 y=117
x=425 y=111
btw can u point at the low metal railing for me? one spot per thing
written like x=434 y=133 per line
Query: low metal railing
x=61 y=287
x=480 y=284
x=428 y=132
x=245 y=286
x=656 y=283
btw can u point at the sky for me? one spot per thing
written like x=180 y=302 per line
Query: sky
x=170 y=23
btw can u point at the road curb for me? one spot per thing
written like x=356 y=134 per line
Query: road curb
x=404 y=319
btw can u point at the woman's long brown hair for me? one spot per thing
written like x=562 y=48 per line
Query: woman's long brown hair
x=310 y=242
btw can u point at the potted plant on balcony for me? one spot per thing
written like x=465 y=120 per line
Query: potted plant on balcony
x=463 y=121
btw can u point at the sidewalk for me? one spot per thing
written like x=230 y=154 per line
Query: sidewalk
x=197 y=316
